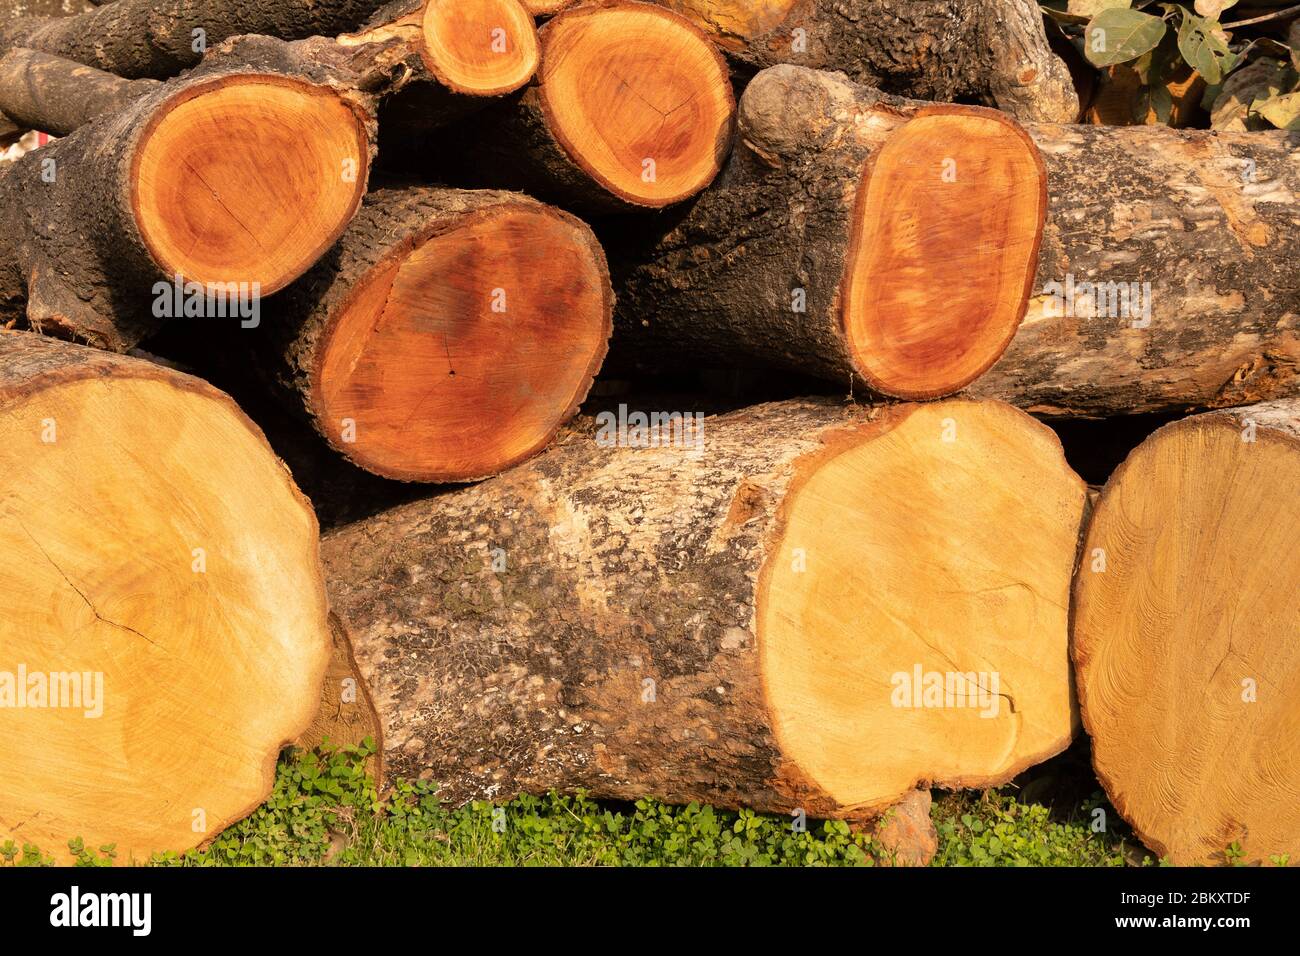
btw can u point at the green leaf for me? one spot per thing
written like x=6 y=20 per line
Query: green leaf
x=1119 y=35
x=1282 y=111
x=1204 y=46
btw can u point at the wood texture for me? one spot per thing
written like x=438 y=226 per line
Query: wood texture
x=1184 y=636
x=448 y=335
x=727 y=624
x=632 y=107
x=178 y=588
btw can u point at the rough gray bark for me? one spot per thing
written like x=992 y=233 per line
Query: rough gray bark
x=74 y=262
x=1196 y=231
x=56 y=96
x=985 y=51
x=155 y=38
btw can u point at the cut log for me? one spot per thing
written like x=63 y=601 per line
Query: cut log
x=632 y=108
x=990 y=51
x=57 y=96
x=1185 y=643
x=1189 y=229
x=448 y=335
x=462 y=54
x=741 y=626
x=879 y=242
x=158 y=38
x=156 y=191
x=163 y=626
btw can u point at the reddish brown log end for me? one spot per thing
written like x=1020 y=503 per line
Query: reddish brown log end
x=479 y=47
x=463 y=354
x=248 y=179
x=639 y=99
x=944 y=252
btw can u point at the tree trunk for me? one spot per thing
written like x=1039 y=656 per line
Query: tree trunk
x=157 y=190
x=631 y=108
x=161 y=564
x=688 y=619
x=156 y=38
x=1185 y=609
x=987 y=51
x=547 y=8
x=448 y=335
x=879 y=242
x=1194 y=226
x=1166 y=280
x=57 y=96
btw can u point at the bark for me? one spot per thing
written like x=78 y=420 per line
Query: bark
x=75 y=262
x=149 y=38
x=1198 y=225
x=592 y=619
x=383 y=241
x=956 y=51
x=57 y=96
x=347 y=716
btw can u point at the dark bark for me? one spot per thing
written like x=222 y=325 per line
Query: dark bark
x=155 y=38
x=57 y=96
x=993 y=52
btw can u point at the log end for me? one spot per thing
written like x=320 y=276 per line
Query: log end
x=480 y=47
x=163 y=620
x=1185 y=610
x=248 y=179
x=463 y=353
x=639 y=99
x=928 y=555
x=944 y=251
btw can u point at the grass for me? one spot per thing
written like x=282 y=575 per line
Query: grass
x=324 y=810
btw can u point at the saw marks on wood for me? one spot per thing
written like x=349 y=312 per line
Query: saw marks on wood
x=480 y=47
x=1188 y=643
x=902 y=552
x=945 y=248
x=466 y=353
x=248 y=179
x=639 y=99
x=201 y=675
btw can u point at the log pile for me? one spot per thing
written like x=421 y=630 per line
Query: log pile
x=478 y=244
